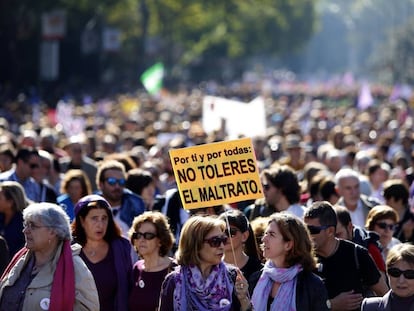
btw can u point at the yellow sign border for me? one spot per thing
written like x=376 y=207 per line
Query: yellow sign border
x=217 y=173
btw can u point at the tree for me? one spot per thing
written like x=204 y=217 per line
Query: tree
x=204 y=34
x=404 y=54
x=357 y=36
x=201 y=37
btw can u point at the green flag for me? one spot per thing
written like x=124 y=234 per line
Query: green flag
x=152 y=78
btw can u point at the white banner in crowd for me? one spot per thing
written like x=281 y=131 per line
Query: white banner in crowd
x=239 y=118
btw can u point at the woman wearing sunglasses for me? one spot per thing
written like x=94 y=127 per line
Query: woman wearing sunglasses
x=202 y=281
x=241 y=248
x=383 y=220
x=152 y=239
x=106 y=253
x=286 y=281
x=400 y=270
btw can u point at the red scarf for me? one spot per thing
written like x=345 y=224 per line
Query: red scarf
x=62 y=294
x=14 y=260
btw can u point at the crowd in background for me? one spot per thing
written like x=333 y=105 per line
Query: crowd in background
x=342 y=175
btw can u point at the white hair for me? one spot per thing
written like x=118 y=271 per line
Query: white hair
x=345 y=173
x=50 y=215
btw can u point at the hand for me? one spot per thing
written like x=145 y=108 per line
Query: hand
x=347 y=301
x=242 y=291
x=242 y=287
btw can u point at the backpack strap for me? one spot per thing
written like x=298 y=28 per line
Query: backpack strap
x=356 y=257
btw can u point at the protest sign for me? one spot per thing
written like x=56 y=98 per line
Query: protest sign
x=218 y=173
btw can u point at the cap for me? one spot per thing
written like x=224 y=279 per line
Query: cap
x=92 y=198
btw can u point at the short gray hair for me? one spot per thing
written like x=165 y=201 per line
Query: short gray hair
x=50 y=215
x=345 y=173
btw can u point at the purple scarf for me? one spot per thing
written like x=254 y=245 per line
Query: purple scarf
x=193 y=293
x=285 y=297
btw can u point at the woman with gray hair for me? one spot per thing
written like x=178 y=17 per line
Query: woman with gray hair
x=47 y=274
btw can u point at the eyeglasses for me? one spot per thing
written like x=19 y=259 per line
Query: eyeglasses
x=232 y=232
x=33 y=165
x=396 y=273
x=145 y=235
x=384 y=225
x=113 y=181
x=317 y=229
x=32 y=226
x=216 y=241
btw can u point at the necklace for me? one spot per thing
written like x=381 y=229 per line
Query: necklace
x=90 y=253
x=141 y=282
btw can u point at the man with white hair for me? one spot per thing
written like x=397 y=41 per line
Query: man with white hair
x=348 y=188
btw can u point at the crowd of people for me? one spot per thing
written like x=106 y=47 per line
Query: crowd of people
x=94 y=220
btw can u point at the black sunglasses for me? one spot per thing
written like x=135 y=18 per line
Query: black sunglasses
x=317 y=229
x=113 y=181
x=216 y=241
x=145 y=235
x=395 y=273
x=384 y=225
x=232 y=232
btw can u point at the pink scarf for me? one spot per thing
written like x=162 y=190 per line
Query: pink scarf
x=12 y=262
x=62 y=294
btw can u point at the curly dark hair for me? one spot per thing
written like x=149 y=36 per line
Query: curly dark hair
x=286 y=180
x=164 y=233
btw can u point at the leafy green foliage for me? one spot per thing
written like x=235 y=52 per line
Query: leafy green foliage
x=198 y=34
x=231 y=28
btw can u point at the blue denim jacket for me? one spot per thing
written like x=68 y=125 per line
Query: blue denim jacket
x=132 y=205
